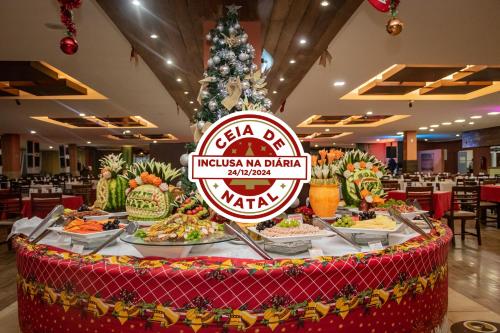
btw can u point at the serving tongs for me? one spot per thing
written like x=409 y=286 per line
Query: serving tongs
x=234 y=229
x=423 y=215
x=346 y=238
x=397 y=215
x=54 y=217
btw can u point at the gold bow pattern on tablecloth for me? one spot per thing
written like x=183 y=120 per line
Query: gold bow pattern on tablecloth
x=164 y=316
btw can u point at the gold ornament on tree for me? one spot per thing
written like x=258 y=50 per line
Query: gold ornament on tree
x=204 y=85
x=199 y=130
x=233 y=88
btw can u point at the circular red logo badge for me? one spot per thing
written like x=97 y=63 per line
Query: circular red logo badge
x=249 y=166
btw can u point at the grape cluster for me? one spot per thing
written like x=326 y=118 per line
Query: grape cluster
x=263 y=225
x=112 y=225
x=83 y=208
x=368 y=215
x=344 y=222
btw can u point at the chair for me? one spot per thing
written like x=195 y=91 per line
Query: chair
x=390 y=185
x=424 y=195
x=83 y=191
x=484 y=206
x=43 y=203
x=466 y=200
x=11 y=205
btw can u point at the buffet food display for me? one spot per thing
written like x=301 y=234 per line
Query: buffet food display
x=357 y=291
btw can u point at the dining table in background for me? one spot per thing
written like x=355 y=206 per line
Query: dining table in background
x=441 y=201
x=68 y=201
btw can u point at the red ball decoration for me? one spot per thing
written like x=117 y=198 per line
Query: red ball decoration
x=69 y=45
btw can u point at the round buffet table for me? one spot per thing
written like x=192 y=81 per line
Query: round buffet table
x=402 y=288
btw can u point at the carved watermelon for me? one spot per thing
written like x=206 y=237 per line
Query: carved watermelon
x=147 y=203
x=110 y=194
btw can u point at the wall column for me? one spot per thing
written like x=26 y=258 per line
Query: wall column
x=410 y=151
x=11 y=155
x=73 y=159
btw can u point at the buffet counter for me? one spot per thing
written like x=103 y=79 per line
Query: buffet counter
x=402 y=288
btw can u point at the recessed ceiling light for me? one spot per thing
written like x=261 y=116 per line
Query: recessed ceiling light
x=460 y=120
x=178 y=79
x=476 y=117
x=195 y=109
x=431 y=130
x=88 y=142
x=33 y=132
x=494 y=113
x=425 y=139
x=282 y=79
x=399 y=133
x=457 y=135
x=327 y=130
x=191 y=102
x=324 y=3
x=292 y=61
x=434 y=125
x=302 y=41
x=471 y=123
x=423 y=128
x=316 y=146
x=378 y=139
x=169 y=62
x=186 y=92
x=446 y=123
x=275 y=92
x=334 y=143
x=126 y=132
x=50 y=147
x=154 y=36
x=154 y=141
x=136 y=3
x=338 y=83
x=369 y=112
x=82 y=114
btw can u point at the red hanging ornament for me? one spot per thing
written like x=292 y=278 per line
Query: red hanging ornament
x=69 y=45
x=383 y=5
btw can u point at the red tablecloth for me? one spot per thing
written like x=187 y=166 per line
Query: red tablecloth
x=441 y=201
x=402 y=289
x=69 y=201
x=490 y=193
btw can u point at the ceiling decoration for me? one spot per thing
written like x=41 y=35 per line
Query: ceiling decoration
x=98 y=122
x=39 y=80
x=175 y=53
x=350 y=121
x=144 y=137
x=319 y=136
x=430 y=82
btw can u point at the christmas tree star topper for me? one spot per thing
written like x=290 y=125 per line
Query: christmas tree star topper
x=233 y=9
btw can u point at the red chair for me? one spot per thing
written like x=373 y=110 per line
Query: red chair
x=43 y=203
x=11 y=205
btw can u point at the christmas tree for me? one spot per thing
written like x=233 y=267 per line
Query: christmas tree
x=231 y=82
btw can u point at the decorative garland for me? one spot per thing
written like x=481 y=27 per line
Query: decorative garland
x=68 y=44
x=198 y=313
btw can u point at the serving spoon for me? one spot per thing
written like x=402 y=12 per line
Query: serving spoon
x=130 y=229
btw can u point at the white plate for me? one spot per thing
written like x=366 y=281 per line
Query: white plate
x=118 y=215
x=84 y=237
x=370 y=231
x=287 y=239
x=410 y=215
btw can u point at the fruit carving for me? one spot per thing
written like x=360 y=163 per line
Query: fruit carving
x=148 y=196
x=360 y=173
x=193 y=205
x=110 y=191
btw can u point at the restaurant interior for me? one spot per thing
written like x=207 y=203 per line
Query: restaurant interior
x=118 y=92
